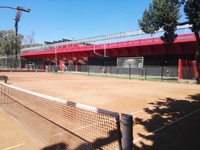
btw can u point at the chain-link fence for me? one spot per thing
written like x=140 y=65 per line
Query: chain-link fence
x=15 y=62
x=10 y=62
x=144 y=73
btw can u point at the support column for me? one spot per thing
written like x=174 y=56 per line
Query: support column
x=58 y=62
x=49 y=66
x=62 y=65
x=49 y=63
x=43 y=61
x=179 y=69
x=76 y=64
x=194 y=66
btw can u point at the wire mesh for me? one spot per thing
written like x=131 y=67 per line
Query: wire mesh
x=52 y=120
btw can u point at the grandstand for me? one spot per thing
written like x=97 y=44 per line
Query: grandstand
x=105 y=50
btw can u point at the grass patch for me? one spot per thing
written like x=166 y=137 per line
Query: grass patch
x=122 y=76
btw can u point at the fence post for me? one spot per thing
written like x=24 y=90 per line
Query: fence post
x=145 y=72
x=162 y=72
x=127 y=132
x=129 y=71
x=106 y=70
x=142 y=71
x=88 y=68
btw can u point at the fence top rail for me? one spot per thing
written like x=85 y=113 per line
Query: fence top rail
x=58 y=100
x=99 y=38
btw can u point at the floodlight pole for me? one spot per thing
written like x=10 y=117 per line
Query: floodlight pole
x=18 y=15
x=17 y=19
x=17 y=8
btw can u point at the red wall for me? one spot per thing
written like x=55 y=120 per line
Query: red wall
x=187 y=69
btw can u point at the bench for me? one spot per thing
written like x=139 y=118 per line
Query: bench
x=3 y=77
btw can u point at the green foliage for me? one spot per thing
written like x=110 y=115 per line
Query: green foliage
x=9 y=43
x=165 y=14
x=162 y=14
x=192 y=11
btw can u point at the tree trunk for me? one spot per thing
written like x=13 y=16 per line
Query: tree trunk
x=197 y=55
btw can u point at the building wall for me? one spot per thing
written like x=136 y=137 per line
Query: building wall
x=153 y=60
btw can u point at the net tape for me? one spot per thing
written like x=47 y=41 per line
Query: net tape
x=52 y=120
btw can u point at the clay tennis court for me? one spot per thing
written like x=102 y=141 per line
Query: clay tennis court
x=156 y=106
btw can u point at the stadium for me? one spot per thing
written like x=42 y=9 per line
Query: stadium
x=102 y=54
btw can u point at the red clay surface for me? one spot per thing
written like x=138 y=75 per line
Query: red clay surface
x=153 y=104
x=13 y=135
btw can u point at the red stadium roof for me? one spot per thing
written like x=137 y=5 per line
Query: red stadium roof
x=184 y=44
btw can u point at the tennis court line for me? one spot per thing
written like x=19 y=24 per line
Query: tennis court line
x=63 y=97
x=164 y=104
x=92 y=124
x=139 y=111
x=135 y=112
x=87 y=126
x=83 y=127
x=27 y=130
x=11 y=147
x=151 y=133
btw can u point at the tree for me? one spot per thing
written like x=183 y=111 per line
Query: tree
x=9 y=43
x=166 y=14
x=29 y=39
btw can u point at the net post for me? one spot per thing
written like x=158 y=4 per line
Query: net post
x=127 y=132
x=119 y=131
x=5 y=79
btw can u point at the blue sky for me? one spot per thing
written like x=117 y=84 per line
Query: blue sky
x=73 y=19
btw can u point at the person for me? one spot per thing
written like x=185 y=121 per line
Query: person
x=169 y=73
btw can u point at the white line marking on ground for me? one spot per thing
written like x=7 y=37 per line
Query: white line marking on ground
x=139 y=111
x=143 y=110
x=151 y=133
x=135 y=112
x=87 y=126
x=92 y=124
x=13 y=146
x=61 y=133
x=64 y=97
x=26 y=129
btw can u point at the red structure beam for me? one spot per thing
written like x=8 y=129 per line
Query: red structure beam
x=151 y=46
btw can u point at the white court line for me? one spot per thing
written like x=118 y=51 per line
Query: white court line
x=135 y=112
x=63 y=97
x=92 y=124
x=139 y=111
x=26 y=129
x=13 y=146
x=151 y=133
x=86 y=126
